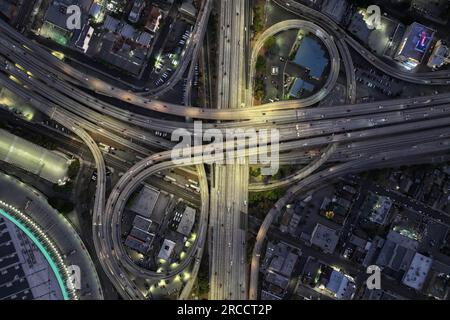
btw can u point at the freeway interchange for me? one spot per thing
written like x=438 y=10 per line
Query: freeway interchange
x=354 y=137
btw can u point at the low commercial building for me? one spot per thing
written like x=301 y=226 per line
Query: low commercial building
x=188 y=10
x=416 y=42
x=377 y=208
x=144 y=39
x=438 y=285
x=325 y=238
x=418 y=271
x=440 y=56
x=136 y=244
x=97 y=12
x=126 y=59
x=142 y=223
x=10 y=8
x=122 y=46
x=153 y=20
x=267 y=296
x=299 y=88
x=145 y=201
x=336 y=9
x=340 y=286
x=166 y=250
x=140 y=237
x=56 y=20
x=127 y=32
x=277 y=280
x=397 y=252
x=187 y=221
x=379 y=295
x=433 y=10
x=111 y=24
x=84 y=39
x=382 y=39
x=281 y=266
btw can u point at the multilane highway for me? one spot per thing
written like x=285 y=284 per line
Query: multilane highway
x=267 y=118
x=144 y=169
x=353 y=131
x=426 y=78
x=417 y=155
x=343 y=137
x=258 y=112
x=229 y=187
x=122 y=284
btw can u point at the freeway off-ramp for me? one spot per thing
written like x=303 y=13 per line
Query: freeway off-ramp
x=354 y=131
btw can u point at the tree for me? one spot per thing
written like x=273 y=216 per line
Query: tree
x=255 y=172
x=73 y=169
x=261 y=202
x=64 y=188
x=270 y=43
x=259 y=94
x=260 y=64
x=258 y=19
x=203 y=286
x=61 y=205
x=203 y=278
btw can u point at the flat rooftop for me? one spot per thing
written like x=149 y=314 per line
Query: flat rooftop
x=146 y=201
x=416 y=42
x=418 y=272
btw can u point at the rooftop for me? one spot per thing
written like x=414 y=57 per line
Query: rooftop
x=397 y=252
x=341 y=286
x=153 y=19
x=435 y=10
x=418 y=272
x=136 y=244
x=379 y=207
x=325 y=238
x=335 y=9
x=57 y=11
x=146 y=201
x=416 y=42
x=187 y=221
x=166 y=250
